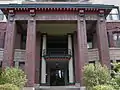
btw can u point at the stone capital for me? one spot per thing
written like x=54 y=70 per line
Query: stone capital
x=81 y=13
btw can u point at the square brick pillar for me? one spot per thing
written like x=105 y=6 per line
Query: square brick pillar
x=8 y=55
x=77 y=77
x=103 y=41
x=30 y=53
x=38 y=65
x=82 y=45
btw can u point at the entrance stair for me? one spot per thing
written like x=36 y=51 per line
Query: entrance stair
x=59 y=88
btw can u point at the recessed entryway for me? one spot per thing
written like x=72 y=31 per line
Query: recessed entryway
x=57 y=73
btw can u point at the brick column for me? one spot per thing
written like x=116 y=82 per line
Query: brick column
x=102 y=41
x=76 y=58
x=82 y=45
x=8 y=55
x=38 y=48
x=110 y=38
x=30 y=52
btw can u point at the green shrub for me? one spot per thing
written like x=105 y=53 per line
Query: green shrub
x=14 y=76
x=116 y=67
x=96 y=75
x=114 y=84
x=8 y=87
x=103 y=87
x=116 y=76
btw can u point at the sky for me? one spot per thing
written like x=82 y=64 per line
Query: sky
x=115 y=2
x=110 y=2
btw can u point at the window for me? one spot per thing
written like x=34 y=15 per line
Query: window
x=22 y=65
x=0 y=64
x=1 y=15
x=116 y=38
x=113 y=15
x=89 y=45
x=92 y=62
x=118 y=61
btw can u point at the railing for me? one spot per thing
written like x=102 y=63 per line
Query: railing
x=57 y=53
x=93 y=54
x=18 y=56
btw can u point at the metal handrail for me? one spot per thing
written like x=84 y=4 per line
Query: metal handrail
x=56 y=52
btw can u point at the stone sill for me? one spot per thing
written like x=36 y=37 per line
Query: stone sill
x=112 y=21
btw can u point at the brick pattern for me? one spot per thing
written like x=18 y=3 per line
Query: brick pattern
x=82 y=46
x=38 y=65
x=103 y=42
x=30 y=52
x=8 y=55
x=76 y=57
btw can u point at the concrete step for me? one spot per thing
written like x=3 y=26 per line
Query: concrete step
x=59 y=88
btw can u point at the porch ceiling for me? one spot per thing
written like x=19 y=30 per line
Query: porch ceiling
x=57 y=29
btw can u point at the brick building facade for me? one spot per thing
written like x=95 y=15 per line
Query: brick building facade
x=52 y=42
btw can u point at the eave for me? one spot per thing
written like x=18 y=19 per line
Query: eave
x=25 y=8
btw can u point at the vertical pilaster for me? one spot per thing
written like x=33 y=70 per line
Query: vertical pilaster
x=70 y=65
x=111 y=41
x=38 y=49
x=8 y=55
x=43 y=69
x=82 y=44
x=102 y=40
x=77 y=77
x=30 y=52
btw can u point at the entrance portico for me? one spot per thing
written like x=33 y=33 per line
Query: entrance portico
x=73 y=22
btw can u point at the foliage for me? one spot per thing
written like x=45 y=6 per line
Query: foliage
x=96 y=75
x=114 y=84
x=14 y=76
x=8 y=87
x=116 y=76
x=116 y=67
x=103 y=87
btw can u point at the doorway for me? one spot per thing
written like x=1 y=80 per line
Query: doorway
x=57 y=77
x=57 y=73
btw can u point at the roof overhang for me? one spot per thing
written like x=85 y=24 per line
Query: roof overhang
x=25 y=8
